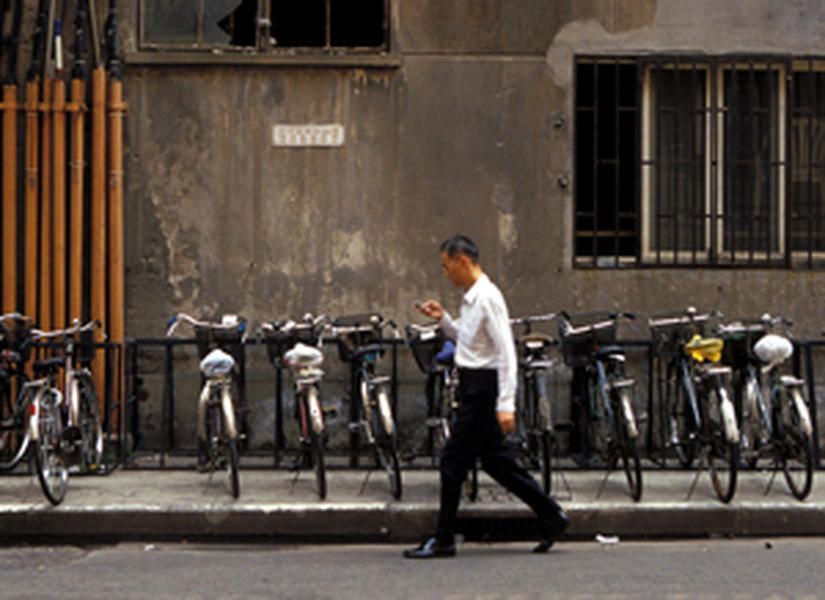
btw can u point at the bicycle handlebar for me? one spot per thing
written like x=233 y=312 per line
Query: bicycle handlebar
x=534 y=319
x=15 y=316
x=172 y=324
x=76 y=327
x=689 y=315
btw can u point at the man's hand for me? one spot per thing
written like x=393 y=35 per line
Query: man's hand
x=506 y=421
x=432 y=309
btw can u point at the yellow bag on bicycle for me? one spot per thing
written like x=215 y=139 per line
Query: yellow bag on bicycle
x=705 y=349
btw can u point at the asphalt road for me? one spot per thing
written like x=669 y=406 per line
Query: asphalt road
x=717 y=568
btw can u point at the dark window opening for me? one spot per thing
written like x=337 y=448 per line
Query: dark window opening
x=299 y=23
x=606 y=160
x=357 y=23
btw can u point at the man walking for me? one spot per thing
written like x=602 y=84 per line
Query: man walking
x=486 y=359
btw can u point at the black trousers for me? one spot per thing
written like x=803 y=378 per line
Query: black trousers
x=474 y=434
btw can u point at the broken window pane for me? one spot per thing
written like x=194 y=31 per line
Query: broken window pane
x=230 y=22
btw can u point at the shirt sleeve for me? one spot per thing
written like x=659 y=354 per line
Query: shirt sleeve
x=497 y=324
x=448 y=326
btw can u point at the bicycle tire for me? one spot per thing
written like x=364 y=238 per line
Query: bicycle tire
x=14 y=436
x=318 y=464
x=52 y=472
x=471 y=483
x=797 y=448
x=545 y=461
x=386 y=451
x=722 y=453
x=628 y=450
x=542 y=423
x=753 y=428
x=91 y=430
x=682 y=424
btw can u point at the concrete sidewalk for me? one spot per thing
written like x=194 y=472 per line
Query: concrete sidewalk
x=276 y=506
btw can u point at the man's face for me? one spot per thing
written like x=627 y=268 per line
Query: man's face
x=455 y=268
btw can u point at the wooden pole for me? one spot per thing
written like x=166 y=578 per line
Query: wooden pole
x=59 y=201
x=117 y=322
x=98 y=218
x=44 y=316
x=76 y=170
x=9 y=107
x=31 y=196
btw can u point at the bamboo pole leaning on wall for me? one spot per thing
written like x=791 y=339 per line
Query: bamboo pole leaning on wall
x=116 y=108
x=98 y=203
x=59 y=182
x=77 y=109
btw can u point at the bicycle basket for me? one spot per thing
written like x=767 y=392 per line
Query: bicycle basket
x=279 y=342
x=738 y=350
x=425 y=346
x=228 y=340
x=361 y=330
x=580 y=339
x=669 y=336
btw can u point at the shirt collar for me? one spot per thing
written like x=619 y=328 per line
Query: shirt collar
x=472 y=294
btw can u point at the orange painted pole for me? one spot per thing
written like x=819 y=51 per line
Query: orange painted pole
x=31 y=192
x=9 y=108
x=77 y=108
x=117 y=109
x=59 y=201
x=44 y=317
x=98 y=205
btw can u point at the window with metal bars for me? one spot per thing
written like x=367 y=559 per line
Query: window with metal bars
x=699 y=162
x=295 y=26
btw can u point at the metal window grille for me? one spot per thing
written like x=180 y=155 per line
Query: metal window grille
x=717 y=162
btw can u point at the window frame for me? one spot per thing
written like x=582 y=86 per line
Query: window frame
x=221 y=53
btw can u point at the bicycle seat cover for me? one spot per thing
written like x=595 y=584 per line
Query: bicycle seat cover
x=703 y=349
x=216 y=363
x=773 y=348
x=447 y=353
x=303 y=355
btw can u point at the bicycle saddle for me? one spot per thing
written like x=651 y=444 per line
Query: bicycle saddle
x=365 y=351
x=773 y=348
x=609 y=351
x=536 y=338
x=703 y=349
x=49 y=365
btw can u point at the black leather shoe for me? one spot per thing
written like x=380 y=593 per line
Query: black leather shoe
x=551 y=529
x=431 y=549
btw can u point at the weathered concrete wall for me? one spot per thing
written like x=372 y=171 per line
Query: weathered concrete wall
x=470 y=133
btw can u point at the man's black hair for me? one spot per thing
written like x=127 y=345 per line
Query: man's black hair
x=460 y=244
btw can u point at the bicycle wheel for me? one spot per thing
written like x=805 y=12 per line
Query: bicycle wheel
x=48 y=459
x=542 y=424
x=627 y=447
x=682 y=434
x=14 y=436
x=91 y=430
x=795 y=446
x=386 y=442
x=722 y=451
x=315 y=432
x=754 y=431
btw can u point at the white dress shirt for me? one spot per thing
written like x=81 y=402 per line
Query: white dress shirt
x=484 y=339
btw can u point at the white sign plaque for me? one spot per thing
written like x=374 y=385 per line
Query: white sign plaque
x=303 y=136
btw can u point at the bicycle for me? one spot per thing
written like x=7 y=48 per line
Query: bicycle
x=296 y=345
x=535 y=418
x=588 y=340
x=775 y=421
x=218 y=434
x=32 y=423
x=359 y=344
x=699 y=416
x=434 y=355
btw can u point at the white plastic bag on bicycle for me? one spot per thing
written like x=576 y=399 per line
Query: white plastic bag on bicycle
x=303 y=355
x=217 y=363
x=773 y=349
